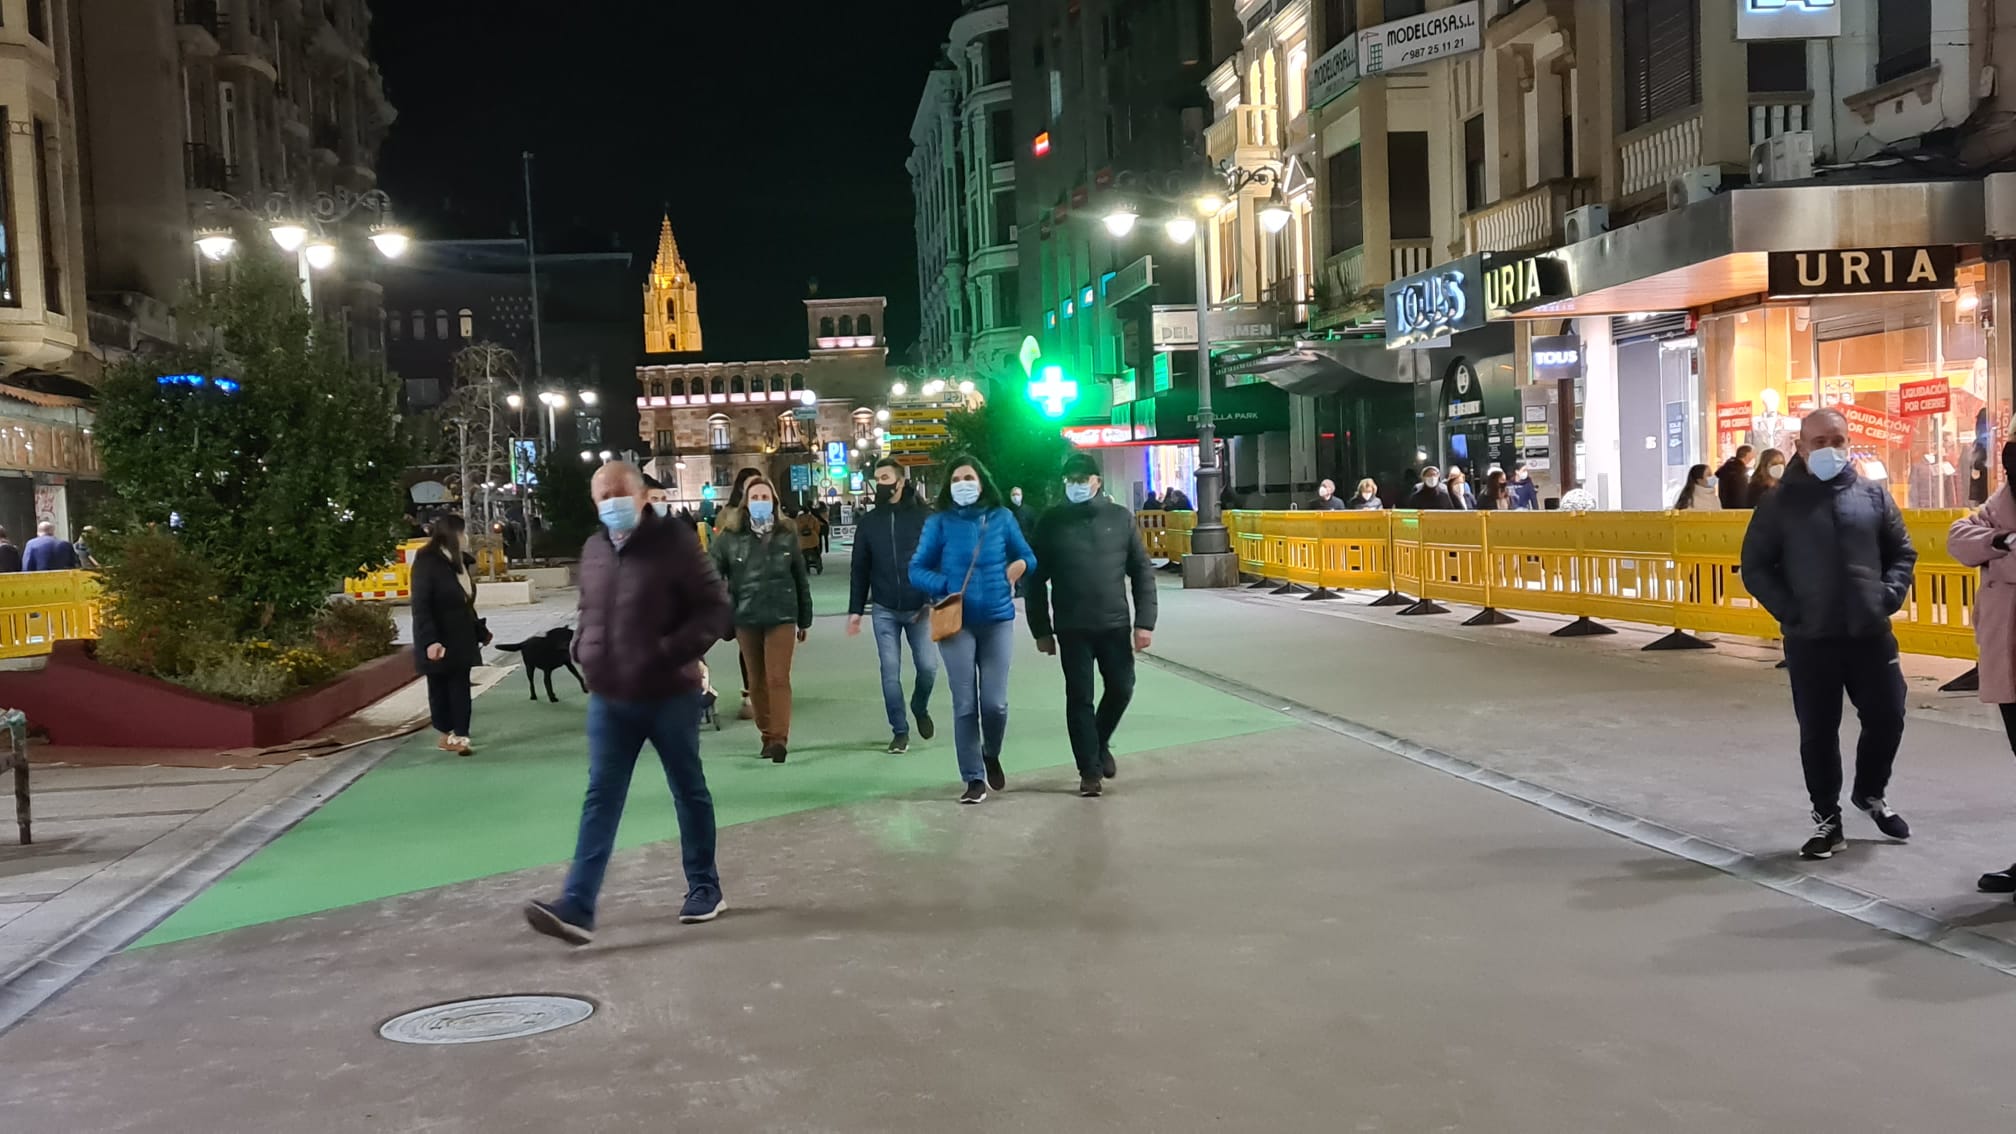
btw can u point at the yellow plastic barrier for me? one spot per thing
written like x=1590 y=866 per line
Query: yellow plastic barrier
x=41 y=608
x=1357 y=550
x=1154 y=528
x=1406 y=551
x=1454 y=557
x=392 y=581
x=1938 y=614
x=1708 y=557
x=1244 y=531
x=1176 y=535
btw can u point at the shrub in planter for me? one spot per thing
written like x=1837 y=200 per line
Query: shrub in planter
x=163 y=610
x=351 y=633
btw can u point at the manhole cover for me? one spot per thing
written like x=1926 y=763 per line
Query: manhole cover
x=491 y=1018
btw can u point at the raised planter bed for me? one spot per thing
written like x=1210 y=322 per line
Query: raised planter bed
x=82 y=702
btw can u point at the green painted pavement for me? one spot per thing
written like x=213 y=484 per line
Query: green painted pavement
x=423 y=818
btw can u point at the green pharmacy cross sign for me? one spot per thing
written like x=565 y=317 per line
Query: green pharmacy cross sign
x=1052 y=390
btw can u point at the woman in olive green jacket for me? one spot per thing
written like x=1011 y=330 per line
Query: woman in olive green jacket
x=772 y=595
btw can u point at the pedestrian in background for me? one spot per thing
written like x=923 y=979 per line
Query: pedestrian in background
x=1525 y=494
x=1461 y=497
x=973 y=549
x=85 y=540
x=651 y=606
x=448 y=637
x=1367 y=499
x=1326 y=499
x=1699 y=493
x=1732 y=480
x=1828 y=556
x=1770 y=470
x=10 y=555
x=1088 y=554
x=747 y=711
x=884 y=542
x=763 y=565
x=1177 y=500
x=48 y=553
x=1430 y=494
x=1983 y=539
x=1497 y=492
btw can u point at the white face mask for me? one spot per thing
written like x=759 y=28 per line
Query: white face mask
x=1826 y=464
x=1077 y=491
x=965 y=492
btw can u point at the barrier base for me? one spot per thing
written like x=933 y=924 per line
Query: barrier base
x=1679 y=640
x=1584 y=627
x=1260 y=584
x=1290 y=589
x=1424 y=606
x=1393 y=598
x=1321 y=594
x=1969 y=682
x=1490 y=616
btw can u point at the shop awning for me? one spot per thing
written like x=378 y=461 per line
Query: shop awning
x=1719 y=249
x=1315 y=368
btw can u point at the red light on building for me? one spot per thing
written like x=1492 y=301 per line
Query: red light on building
x=1041 y=146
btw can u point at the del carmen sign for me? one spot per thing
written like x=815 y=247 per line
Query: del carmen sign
x=1861 y=271
x=1788 y=19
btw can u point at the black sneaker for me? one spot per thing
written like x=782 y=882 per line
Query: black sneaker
x=1887 y=821
x=1090 y=788
x=925 y=728
x=976 y=792
x=1998 y=882
x=1107 y=767
x=774 y=753
x=705 y=903
x=996 y=778
x=899 y=744
x=547 y=919
x=1827 y=837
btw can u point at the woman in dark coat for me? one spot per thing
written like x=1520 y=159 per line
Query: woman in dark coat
x=448 y=638
x=1770 y=470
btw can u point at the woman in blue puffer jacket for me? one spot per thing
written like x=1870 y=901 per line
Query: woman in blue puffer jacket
x=973 y=544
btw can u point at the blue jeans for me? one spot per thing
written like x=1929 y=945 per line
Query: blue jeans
x=891 y=627
x=976 y=667
x=617 y=731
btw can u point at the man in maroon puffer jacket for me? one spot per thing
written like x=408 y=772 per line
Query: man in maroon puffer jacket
x=651 y=607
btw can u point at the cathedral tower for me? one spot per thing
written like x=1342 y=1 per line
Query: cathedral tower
x=671 y=300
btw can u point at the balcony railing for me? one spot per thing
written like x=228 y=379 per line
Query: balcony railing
x=1243 y=130
x=1412 y=257
x=1530 y=220
x=1778 y=113
x=206 y=167
x=197 y=13
x=1657 y=151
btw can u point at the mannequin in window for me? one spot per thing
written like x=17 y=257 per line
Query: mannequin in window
x=1771 y=429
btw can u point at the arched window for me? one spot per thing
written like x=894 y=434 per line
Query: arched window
x=738 y=386
x=395 y=327
x=419 y=326
x=717 y=433
x=864 y=326
x=864 y=422
x=719 y=388
x=657 y=389
x=776 y=383
x=826 y=327
x=787 y=431
x=441 y=325
x=468 y=320
x=797 y=382
x=671 y=310
x=846 y=325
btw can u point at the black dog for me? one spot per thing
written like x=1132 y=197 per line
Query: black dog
x=544 y=654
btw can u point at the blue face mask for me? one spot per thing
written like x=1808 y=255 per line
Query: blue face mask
x=762 y=512
x=1826 y=464
x=1077 y=492
x=618 y=513
x=965 y=493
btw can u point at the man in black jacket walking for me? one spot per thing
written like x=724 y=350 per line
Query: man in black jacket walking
x=1087 y=554
x=884 y=541
x=1828 y=556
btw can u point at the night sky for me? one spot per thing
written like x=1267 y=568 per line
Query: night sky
x=776 y=131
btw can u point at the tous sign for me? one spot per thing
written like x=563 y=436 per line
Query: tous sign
x=1432 y=306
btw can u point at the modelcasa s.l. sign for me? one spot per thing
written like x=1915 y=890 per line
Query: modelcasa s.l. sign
x=1860 y=271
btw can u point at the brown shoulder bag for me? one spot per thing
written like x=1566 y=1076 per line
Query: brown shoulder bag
x=948 y=615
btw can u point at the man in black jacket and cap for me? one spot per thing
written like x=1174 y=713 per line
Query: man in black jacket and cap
x=1088 y=553
x=1828 y=555
x=884 y=542
x=1732 y=480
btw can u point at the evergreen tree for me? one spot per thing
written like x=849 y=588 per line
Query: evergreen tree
x=564 y=502
x=273 y=454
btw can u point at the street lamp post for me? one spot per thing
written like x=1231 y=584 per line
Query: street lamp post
x=299 y=229
x=1211 y=561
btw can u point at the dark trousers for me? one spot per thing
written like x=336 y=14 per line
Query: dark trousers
x=617 y=731
x=448 y=701
x=2009 y=724
x=1866 y=669
x=1111 y=652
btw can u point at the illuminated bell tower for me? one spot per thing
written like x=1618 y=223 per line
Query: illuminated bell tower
x=671 y=300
